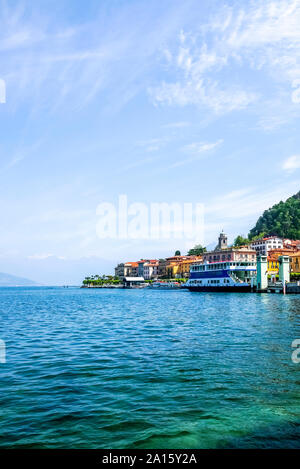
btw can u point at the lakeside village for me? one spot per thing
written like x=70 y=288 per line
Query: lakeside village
x=266 y=264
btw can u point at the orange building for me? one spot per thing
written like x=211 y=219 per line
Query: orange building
x=179 y=266
x=292 y=243
x=282 y=252
x=172 y=265
x=291 y=251
x=131 y=269
x=295 y=262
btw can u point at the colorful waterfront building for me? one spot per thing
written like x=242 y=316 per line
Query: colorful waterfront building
x=273 y=265
x=295 y=262
x=289 y=250
x=292 y=244
x=141 y=267
x=151 y=269
x=275 y=253
x=131 y=269
x=243 y=253
x=172 y=265
x=262 y=246
x=120 y=271
x=179 y=266
x=162 y=271
x=184 y=266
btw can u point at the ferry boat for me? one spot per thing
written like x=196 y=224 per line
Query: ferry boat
x=222 y=276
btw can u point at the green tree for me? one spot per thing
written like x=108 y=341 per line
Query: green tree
x=197 y=250
x=240 y=241
x=283 y=220
x=177 y=253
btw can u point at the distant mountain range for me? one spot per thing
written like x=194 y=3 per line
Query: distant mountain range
x=7 y=280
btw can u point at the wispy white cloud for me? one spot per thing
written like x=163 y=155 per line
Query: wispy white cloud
x=40 y=257
x=20 y=154
x=245 y=202
x=52 y=64
x=200 y=147
x=210 y=67
x=177 y=125
x=153 y=144
x=198 y=150
x=291 y=163
x=265 y=22
x=139 y=162
x=199 y=92
x=194 y=64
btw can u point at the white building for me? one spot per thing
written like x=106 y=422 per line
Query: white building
x=150 y=270
x=264 y=245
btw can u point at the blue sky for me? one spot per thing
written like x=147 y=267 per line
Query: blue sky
x=163 y=101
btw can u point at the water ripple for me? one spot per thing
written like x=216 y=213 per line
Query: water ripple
x=140 y=369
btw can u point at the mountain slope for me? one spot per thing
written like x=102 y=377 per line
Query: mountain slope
x=7 y=280
x=283 y=219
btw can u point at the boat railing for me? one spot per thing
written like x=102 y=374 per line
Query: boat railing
x=235 y=278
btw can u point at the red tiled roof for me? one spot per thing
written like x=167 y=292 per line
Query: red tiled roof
x=295 y=254
x=176 y=258
x=265 y=239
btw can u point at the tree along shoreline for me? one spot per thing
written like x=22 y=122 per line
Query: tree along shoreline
x=109 y=281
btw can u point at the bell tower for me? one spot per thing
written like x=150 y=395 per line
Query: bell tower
x=222 y=241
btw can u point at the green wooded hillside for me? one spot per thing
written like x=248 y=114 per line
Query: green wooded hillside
x=283 y=219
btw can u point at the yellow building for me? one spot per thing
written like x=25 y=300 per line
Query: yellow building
x=273 y=265
x=179 y=266
x=184 y=266
x=172 y=265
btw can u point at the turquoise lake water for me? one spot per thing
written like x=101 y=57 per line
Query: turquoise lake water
x=147 y=369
